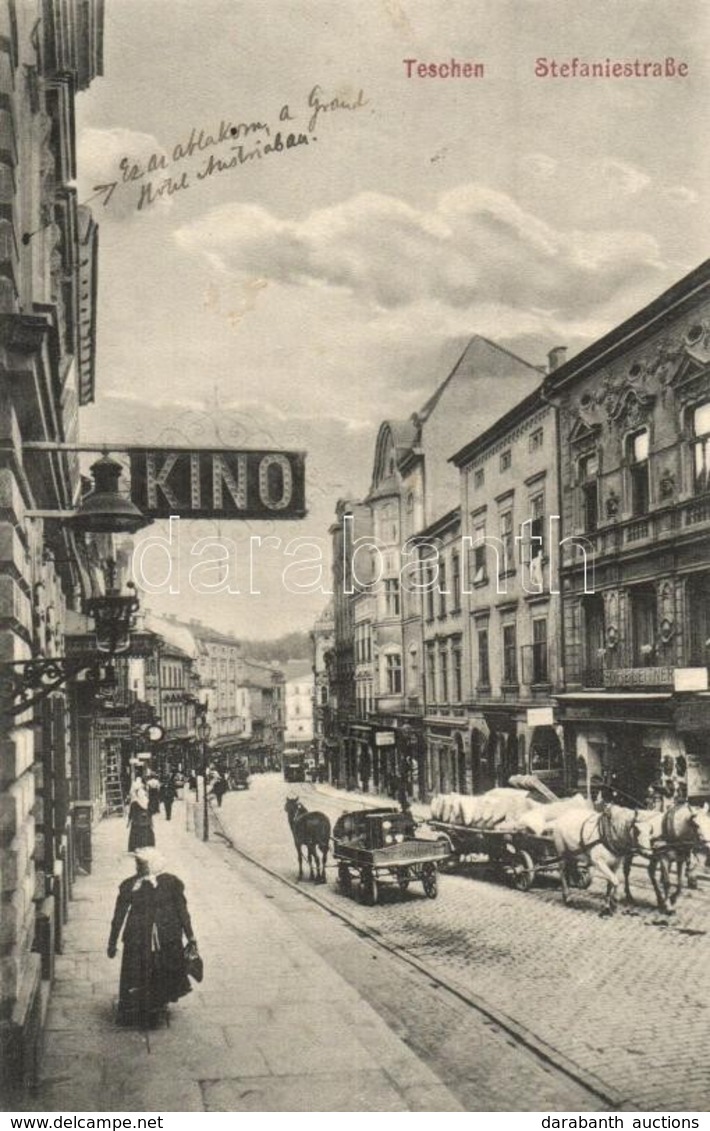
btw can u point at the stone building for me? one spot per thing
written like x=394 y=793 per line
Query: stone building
x=445 y=767
x=299 y=690
x=511 y=624
x=413 y=486
x=322 y=642
x=48 y=243
x=635 y=478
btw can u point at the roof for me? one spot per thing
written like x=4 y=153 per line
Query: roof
x=177 y=635
x=623 y=335
x=518 y=412
x=430 y=405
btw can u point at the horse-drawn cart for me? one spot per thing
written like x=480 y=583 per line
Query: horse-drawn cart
x=497 y=838
x=516 y=855
x=377 y=846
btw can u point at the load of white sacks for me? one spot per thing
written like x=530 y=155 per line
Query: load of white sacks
x=502 y=809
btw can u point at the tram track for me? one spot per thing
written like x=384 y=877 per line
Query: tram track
x=522 y=1035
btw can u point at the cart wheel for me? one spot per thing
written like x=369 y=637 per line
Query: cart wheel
x=402 y=881
x=368 y=887
x=429 y=882
x=345 y=879
x=523 y=873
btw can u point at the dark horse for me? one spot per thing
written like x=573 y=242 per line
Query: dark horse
x=312 y=830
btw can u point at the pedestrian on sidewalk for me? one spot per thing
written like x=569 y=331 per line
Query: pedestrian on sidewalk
x=140 y=821
x=153 y=787
x=168 y=793
x=153 y=969
x=219 y=788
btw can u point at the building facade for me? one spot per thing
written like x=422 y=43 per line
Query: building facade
x=48 y=247
x=635 y=456
x=299 y=695
x=413 y=486
x=322 y=643
x=512 y=662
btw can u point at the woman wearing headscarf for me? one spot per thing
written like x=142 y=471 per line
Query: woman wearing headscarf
x=140 y=820
x=153 y=971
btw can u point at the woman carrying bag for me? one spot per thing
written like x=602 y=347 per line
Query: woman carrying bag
x=154 y=965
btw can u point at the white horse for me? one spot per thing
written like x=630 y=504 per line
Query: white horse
x=604 y=839
x=673 y=837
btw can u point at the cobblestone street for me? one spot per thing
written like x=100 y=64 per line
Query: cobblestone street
x=625 y=999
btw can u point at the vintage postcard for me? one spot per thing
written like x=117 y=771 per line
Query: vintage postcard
x=355 y=630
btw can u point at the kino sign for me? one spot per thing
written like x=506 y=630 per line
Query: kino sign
x=209 y=483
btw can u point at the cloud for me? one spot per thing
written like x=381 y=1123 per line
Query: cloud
x=539 y=165
x=474 y=246
x=621 y=177
x=100 y=155
x=680 y=194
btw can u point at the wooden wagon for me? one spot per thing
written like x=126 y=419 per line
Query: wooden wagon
x=378 y=846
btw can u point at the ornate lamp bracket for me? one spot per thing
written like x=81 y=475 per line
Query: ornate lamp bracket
x=27 y=682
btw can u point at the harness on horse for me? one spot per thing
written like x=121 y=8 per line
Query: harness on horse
x=611 y=834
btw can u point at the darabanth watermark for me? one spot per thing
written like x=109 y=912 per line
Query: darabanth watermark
x=367 y=565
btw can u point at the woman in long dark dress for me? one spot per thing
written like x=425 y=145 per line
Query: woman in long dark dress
x=140 y=821
x=153 y=972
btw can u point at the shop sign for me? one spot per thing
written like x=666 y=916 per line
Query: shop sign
x=541 y=716
x=204 y=483
x=385 y=738
x=117 y=727
x=690 y=679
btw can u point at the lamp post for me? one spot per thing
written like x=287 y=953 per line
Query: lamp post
x=203 y=730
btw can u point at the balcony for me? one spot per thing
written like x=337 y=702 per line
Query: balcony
x=657 y=526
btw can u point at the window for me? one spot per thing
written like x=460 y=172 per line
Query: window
x=479 y=573
x=479 y=477
x=588 y=469
x=444 y=674
x=484 y=675
x=643 y=623
x=537 y=526
x=413 y=675
x=392 y=597
x=510 y=669
x=455 y=582
x=442 y=588
x=431 y=674
x=394 y=673
x=638 y=460
x=506 y=458
x=428 y=576
x=535 y=440
x=540 y=668
x=456 y=673
x=701 y=447
x=506 y=537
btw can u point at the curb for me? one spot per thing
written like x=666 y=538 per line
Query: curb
x=521 y=1033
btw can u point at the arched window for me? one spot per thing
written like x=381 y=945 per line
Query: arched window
x=637 y=453
x=588 y=469
x=700 y=423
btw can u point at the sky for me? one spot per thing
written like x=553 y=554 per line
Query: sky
x=301 y=295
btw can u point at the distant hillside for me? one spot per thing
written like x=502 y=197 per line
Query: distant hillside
x=292 y=646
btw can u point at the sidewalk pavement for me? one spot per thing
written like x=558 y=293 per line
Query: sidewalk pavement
x=272 y=1028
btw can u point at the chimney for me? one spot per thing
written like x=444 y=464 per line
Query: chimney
x=555 y=358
